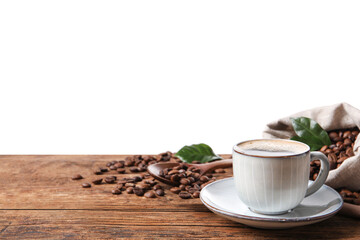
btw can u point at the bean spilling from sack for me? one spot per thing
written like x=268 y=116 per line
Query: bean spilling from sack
x=338 y=152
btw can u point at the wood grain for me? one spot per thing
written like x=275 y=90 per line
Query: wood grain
x=39 y=201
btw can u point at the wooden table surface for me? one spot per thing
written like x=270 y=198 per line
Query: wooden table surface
x=39 y=201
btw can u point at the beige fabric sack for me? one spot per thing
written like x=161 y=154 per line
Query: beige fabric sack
x=338 y=116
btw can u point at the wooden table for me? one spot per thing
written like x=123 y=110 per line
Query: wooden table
x=39 y=201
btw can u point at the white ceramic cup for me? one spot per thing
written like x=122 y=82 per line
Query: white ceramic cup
x=271 y=175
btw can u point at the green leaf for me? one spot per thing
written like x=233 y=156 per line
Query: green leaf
x=310 y=132
x=197 y=152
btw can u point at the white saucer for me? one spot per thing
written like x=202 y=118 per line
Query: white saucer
x=221 y=198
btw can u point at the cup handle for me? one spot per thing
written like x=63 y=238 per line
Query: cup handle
x=324 y=171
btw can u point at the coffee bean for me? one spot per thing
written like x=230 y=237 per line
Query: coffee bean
x=86 y=185
x=204 y=179
x=144 y=186
x=130 y=190
x=156 y=187
x=129 y=163
x=342 y=154
x=138 y=191
x=116 y=191
x=209 y=175
x=159 y=192
x=150 y=194
x=129 y=184
x=175 y=190
x=103 y=169
x=112 y=167
x=184 y=181
x=341 y=160
x=150 y=182
x=77 y=177
x=110 y=179
x=347 y=142
x=137 y=179
x=332 y=160
x=349 y=152
x=109 y=164
x=191 y=179
x=184 y=195
x=119 y=165
x=196 y=194
x=333 y=135
x=175 y=178
x=121 y=170
x=220 y=170
x=134 y=169
x=192 y=190
x=323 y=148
x=347 y=134
x=97 y=181
x=129 y=180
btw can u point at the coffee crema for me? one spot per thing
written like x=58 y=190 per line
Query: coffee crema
x=271 y=148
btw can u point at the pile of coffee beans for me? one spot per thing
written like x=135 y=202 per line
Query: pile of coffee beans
x=341 y=148
x=188 y=180
x=349 y=196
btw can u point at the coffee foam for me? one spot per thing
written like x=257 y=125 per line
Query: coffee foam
x=272 y=145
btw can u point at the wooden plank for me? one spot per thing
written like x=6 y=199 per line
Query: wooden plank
x=39 y=201
x=59 y=224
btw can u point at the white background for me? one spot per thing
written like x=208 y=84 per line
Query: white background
x=118 y=77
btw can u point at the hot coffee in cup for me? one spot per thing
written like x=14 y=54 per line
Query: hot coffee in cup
x=271 y=175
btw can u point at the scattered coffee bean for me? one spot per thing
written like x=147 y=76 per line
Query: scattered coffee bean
x=175 y=190
x=112 y=167
x=204 y=179
x=116 y=191
x=196 y=194
x=77 y=177
x=160 y=192
x=110 y=180
x=137 y=179
x=156 y=187
x=185 y=181
x=129 y=184
x=119 y=165
x=184 y=195
x=134 y=169
x=144 y=186
x=138 y=191
x=86 y=185
x=150 y=194
x=97 y=181
x=130 y=190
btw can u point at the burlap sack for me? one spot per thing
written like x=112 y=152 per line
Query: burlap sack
x=338 y=116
